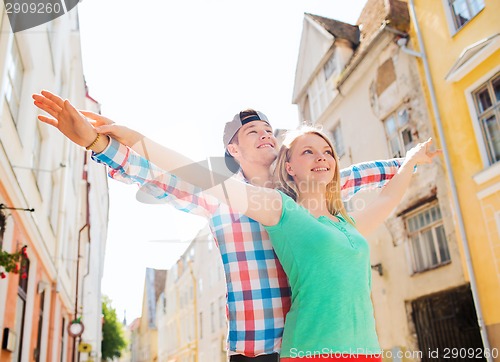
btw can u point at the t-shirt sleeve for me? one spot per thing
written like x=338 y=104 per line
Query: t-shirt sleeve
x=287 y=205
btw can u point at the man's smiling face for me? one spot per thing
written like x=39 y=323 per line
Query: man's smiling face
x=255 y=144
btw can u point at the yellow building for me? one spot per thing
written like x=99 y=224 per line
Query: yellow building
x=458 y=42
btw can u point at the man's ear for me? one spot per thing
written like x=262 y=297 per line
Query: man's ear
x=289 y=169
x=233 y=150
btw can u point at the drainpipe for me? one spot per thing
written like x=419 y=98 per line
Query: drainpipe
x=463 y=236
x=87 y=223
x=85 y=226
x=195 y=307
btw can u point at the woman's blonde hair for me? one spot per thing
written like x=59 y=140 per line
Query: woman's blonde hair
x=285 y=183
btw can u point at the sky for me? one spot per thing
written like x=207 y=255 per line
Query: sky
x=177 y=71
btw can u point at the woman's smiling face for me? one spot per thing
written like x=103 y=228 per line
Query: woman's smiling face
x=311 y=160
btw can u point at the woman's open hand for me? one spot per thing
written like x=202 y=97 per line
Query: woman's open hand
x=66 y=118
x=421 y=153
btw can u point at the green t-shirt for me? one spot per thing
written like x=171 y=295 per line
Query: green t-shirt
x=328 y=267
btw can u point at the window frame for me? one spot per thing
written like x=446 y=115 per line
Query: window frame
x=403 y=148
x=469 y=96
x=319 y=95
x=451 y=16
x=493 y=110
x=337 y=130
x=14 y=54
x=432 y=226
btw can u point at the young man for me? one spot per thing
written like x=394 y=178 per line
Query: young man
x=258 y=294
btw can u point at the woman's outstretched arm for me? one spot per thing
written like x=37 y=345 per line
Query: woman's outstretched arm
x=368 y=219
x=258 y=203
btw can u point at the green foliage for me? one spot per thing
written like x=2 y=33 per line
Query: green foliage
x=113 y=341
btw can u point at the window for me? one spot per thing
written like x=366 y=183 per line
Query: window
x=319 y=96
x=3 y=221
x=212 y=317
x=40 y=328
x=338 y=141
x=201 y=325
x=37 y=151
x=22 y=293
x=330 y=66
x=464 y=10
x=487 y=100
x=428 y=245
x=222 y=312
x=63 y=339
x=15 y=74
x=210 y=241
x=53 y=195
x=52 y=27
x=70 y=258
x=398 y=131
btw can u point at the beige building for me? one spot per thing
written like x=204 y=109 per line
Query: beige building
x=133 y=341
x=40 y=169
x=359 y=83
x=193 y=325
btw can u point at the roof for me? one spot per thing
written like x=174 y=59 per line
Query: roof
x=338 y=29
x=378 y=12
x=375 y=15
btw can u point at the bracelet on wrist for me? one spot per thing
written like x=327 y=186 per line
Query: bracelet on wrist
x=89 y=147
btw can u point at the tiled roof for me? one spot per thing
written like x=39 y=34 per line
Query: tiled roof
x=338 y=29
x=376 y=12
x=160 y=278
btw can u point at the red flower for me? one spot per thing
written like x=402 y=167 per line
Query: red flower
x=2 y=275
x=23 y=252
x=16 y=268
x=24 y=276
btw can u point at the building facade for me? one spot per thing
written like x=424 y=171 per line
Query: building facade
x=193 y=326
x=41 y=170
x=459 y=58
x=147 y=332
x=358 y=83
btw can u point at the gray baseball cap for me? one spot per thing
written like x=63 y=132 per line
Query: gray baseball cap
x=239 y=120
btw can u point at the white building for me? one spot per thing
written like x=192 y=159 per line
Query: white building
x=41 y=169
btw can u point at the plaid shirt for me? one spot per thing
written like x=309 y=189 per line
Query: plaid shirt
x=258 y=294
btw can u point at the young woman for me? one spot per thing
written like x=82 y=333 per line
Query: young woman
x=320 y=246
x=323 y=252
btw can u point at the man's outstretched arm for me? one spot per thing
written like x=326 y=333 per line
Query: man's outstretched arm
x=367 y=176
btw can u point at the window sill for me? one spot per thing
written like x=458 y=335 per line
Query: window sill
x=487 y=174
x=431 y=268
